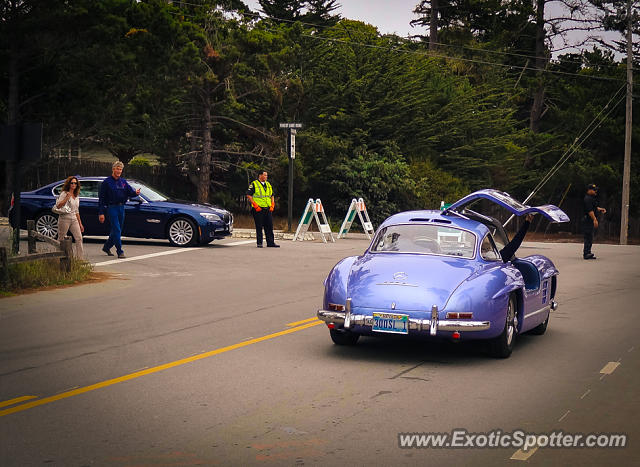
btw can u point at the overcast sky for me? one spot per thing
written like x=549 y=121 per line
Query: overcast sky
x=393 y=17
x=389 y=16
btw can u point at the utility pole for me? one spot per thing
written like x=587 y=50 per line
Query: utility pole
x=626 y=173
x=291 y=151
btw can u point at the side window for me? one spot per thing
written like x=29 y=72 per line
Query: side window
x=499 y=239
x=488 y=250
x=90 y=188
x=57 y=190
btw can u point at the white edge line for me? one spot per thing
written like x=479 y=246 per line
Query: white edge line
x=565 y=414
x=585 y=394
x=163 y=253
x=242 y=242
x=150 y=255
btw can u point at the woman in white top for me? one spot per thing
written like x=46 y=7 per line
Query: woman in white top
x=71 y=221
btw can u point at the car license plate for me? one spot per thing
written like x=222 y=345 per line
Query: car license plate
x=391 y=322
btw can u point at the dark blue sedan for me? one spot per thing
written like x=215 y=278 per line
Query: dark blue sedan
x=150 y=215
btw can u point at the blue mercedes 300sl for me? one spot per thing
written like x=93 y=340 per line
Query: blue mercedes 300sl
x=440 y=274
x=150 y=215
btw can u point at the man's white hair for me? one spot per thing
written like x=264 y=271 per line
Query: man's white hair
x=117 y=164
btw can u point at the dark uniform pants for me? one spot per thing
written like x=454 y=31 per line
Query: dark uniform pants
x=263 y=219
x=587 y=229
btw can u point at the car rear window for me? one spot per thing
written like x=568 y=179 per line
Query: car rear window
x=425 y=239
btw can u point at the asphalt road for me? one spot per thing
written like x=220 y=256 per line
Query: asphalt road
x=212 y=356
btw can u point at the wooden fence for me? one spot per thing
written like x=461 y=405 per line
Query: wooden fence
x=64 y=252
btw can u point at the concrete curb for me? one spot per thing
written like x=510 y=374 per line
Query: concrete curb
x=280 y=235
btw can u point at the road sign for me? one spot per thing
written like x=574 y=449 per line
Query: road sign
x=310 y=213
x=291 y=125
x=358 y=207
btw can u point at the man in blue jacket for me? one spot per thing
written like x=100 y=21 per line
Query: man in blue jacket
x=114 y=193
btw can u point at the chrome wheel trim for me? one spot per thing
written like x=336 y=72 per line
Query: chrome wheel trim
x=47 y=225
x=181 y=232
x=512 y=322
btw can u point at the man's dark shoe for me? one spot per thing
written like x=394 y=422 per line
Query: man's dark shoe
x=107 y=250
x=121 y=255
x=273 y=246
x=590 y=256
x=260 y=246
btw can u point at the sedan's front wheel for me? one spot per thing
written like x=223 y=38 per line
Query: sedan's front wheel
x=502 y=346
x=47 y=225
x=182 y=232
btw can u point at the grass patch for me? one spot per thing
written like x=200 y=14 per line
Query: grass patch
x=44 y=273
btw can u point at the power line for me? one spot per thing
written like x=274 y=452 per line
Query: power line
x=574 y=147
x=436 y=55
x=476 y=49
x=576 y=143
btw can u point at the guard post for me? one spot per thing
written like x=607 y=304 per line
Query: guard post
x=291 y=151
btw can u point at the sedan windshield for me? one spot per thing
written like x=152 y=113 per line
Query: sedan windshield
x=149 y=193
x=425 y=239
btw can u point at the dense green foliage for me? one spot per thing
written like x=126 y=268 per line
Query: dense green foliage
x=203 y=84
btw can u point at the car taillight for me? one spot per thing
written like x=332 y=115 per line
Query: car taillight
x=453 y=315
x=335 y=307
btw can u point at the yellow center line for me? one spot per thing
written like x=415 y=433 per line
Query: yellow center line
x=16 y=400
x=295 y=323
x=148 y=371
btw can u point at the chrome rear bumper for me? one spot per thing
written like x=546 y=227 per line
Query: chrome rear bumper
x=346 y=319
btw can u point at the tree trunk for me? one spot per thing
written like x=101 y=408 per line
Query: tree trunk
x=13 y=115
x=433 y=26
x=205 y=163
x=540 y=64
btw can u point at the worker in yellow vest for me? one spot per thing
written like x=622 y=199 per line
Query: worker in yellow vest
x=260 y=195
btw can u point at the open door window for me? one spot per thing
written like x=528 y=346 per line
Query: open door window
x=551 y=212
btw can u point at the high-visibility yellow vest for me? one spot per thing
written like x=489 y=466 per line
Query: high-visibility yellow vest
x=262 y=196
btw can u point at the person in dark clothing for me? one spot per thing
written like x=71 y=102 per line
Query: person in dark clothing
x=260 y=195
x=115 y=191
x=510 y=248
x=590 y=219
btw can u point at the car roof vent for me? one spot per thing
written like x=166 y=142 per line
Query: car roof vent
x=420 y=219
x=441 y=221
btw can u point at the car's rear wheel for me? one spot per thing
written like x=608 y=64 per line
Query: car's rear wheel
x=502 y=346
x=541 y=328
x=343 y=337
x=182 y=232
x=47 y=225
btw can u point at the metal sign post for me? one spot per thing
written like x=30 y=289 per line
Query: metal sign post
x=291 y=151
x=357 y=206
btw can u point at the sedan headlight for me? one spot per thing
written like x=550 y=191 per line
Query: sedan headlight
x=211 y=217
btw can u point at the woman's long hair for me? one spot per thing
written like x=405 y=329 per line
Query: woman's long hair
x=67 y=185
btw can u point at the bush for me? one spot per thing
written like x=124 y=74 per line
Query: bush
x=140 y=161
x=43 y=273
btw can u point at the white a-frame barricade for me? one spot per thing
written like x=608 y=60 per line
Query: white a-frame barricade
x=311 y=211
x=356 y=206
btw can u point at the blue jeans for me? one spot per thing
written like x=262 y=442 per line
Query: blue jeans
x=116 y=220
